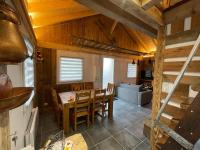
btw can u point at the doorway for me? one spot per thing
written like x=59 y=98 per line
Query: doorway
x=108 y=71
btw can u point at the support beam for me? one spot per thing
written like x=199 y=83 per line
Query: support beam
x=150 y=17
x=105 y=31
x=111 y=10
x=53 y=19
x=83 y=49
x=146 y=4
x=113 y=27
x=157 y=82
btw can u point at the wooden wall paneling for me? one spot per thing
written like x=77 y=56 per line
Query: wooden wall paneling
x=44 y=76
x=195 y=24
x=157 y=83
x=177 y=26
x=86 y=28
x=182 y=11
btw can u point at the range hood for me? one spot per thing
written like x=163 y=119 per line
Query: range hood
x=12 y=45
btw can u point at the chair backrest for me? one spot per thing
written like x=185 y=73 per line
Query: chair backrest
x=88 y=85
x=99 y=96
x=110 y=87
x=54 y=97
x=82 y=101
x=76 y=87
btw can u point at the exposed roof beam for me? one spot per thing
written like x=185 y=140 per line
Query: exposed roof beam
x=151 y=18
x=111 y=10
x=106 y=32
x=146 y=4
x=113 y=27
x=49 y=20
x=82 y=49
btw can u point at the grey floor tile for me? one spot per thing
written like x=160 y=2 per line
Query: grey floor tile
x=109 y=144
x=88 y=140
x=143 y=146
x=125 y=116
x=127 y=140
x=98 y=133
x=137 y=129
x=93 y=148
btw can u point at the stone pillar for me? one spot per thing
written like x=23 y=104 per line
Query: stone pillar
x=4 y=123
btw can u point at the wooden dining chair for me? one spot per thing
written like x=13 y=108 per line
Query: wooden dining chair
x=110 y=89
x=57 y=107
x=82 y=108
x=98 y=103
x=88 y=85
x=76 y=87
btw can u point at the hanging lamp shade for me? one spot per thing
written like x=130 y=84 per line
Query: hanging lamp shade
x=12 y=45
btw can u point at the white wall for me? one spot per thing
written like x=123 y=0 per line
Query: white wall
x=19 y=116
x=93 y=67
x=16 y=75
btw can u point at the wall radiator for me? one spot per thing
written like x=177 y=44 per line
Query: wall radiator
x=31 y=131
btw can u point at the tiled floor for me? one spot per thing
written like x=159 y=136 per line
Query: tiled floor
x=124 y=132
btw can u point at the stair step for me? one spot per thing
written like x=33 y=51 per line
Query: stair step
x=176 y=105
x=196 y=87
x=177 y=137
x=162 y=137
x=169 y=120
x=187 y=78
x=174 y=112
x=179 y=99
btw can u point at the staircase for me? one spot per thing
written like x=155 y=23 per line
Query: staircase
x=178 y=119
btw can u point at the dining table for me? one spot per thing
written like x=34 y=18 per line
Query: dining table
x=68 y=102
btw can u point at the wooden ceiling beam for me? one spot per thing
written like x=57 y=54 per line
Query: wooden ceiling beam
x=106 y=32
x=113 y=11
x=113 y=27
x=151 y=17
x=49 y=20
x=83 y=49
x=146 y=4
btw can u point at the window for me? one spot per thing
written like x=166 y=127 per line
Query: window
x=132 y=70
x=71 y=69
x=29 y=67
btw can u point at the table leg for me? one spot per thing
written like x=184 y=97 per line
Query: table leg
x=110 y=108
x=66 y=118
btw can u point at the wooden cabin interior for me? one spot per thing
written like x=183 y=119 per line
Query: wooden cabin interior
x=99 y=74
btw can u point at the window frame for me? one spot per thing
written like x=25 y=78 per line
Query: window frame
x=128 y=71
x=28 y=45
x=59 y=69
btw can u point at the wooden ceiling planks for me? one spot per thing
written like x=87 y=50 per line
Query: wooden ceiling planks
x=47 y=12
x=87 y=28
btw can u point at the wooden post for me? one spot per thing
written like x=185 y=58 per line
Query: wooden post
x=4 y=124
x=157 y=83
